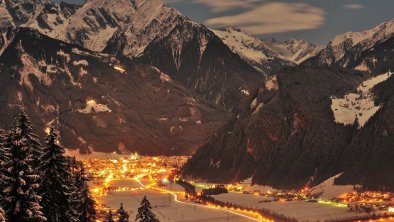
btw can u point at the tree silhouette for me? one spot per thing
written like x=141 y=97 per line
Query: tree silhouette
x=145 y=212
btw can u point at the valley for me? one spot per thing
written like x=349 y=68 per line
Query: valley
x=116 y=179
x=210 y=123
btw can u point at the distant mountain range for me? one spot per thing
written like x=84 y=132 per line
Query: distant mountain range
x=131 y=75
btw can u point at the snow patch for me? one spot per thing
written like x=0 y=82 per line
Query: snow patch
x=328 y=190
x=165 y=78
x=272 y=83
x=82 y=72
x=93 y=106
x=20 y=96
x=258 y=108
x=360 y=105
x=362 y=67
x=61 y=53
x=80 y=63
x=245 y=92
x=119 y=69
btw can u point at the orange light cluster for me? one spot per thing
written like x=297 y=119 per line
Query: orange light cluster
x=104 y=172
x=366 y=197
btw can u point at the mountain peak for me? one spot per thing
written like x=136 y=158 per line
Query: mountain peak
x=253 y=50
x=350 y=45
x=383 y=30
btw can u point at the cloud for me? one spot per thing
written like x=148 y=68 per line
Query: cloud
x=353 y=6
x=225 y=5
x=275 y=17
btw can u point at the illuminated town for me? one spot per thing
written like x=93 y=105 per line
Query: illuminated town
x=126 y=178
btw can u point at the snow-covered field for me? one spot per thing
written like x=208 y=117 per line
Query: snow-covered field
x=167 y=207
x=328 y=190
x=301 y=210
x=360 y=105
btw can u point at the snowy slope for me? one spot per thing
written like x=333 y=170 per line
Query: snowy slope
x=253 y=50
x=149 y=32
x=296 y=50
x=359 y=105
x=329 y=190
x=346 y=48
x=97 y=106
x=95 y=22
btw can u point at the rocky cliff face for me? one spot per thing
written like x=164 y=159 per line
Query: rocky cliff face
x=100 y=102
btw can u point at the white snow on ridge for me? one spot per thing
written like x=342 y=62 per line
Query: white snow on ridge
x=364 y=40
x=252 y=49
x=296 y=50
x=360 y=105
x=81 y=63
x=164 y=77
x=93 y=106
x=381 y=31
x=242 y=43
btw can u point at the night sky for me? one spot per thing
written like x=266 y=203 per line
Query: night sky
x=315 y=20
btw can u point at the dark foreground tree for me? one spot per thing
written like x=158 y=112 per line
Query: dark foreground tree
x=5 y=145
x=55 y=182
x=122 y=214
x=109 y=217
x=85 y=202
x=2 y=215
x=23 y=123
x=145 y=212
x=21 y=204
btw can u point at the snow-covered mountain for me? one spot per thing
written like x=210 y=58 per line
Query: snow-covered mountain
x=253 y=50
x=346 y=48
x=101 y=102
x=296 y=50
x=149 y=32
x=278 y=138
x=189 y=52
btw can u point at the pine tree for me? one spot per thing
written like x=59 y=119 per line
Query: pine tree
x=2 y=215
x=87 y=212
x=145 y=212
x=54 y=182
x=23 y=123
x=109 y=217
x=21 y=204
x=5 y=145
x=74 y=191
x=122 y=214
